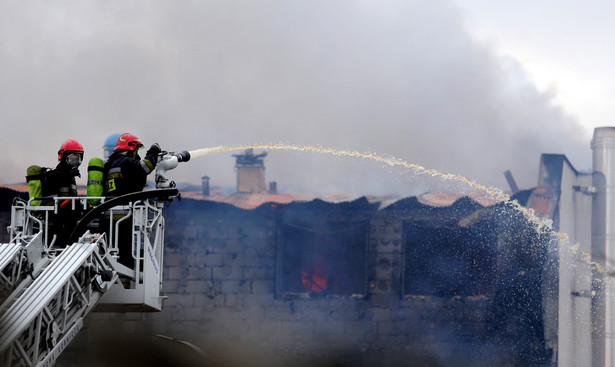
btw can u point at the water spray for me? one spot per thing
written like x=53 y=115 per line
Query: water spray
x=494 y=193
x=167 y=161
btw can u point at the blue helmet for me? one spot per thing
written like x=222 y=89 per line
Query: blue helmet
x=110 y=144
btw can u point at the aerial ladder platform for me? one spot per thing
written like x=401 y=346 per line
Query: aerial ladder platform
x=50 y=279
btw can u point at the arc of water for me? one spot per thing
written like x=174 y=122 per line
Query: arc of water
x=494 y=193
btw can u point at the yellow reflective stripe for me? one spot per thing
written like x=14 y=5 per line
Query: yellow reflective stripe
x=147 y=165
x=115 y=175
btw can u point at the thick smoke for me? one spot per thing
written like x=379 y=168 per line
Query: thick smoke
x=399 y=78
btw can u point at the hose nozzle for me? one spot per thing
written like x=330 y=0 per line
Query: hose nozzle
x=183 y=156
x=166 y=162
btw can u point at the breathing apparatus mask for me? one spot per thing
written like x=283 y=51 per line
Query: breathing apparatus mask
x=74 y=159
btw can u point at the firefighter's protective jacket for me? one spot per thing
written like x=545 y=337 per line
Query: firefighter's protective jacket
x=125 y=175
x=60 y=181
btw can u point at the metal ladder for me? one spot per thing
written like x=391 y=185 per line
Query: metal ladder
x=40 y=323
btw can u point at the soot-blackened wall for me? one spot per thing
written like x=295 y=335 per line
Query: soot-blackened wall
x=252 y=288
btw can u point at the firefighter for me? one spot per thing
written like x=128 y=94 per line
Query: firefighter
x=61 y=180
x=124 y=170
x=125 y=173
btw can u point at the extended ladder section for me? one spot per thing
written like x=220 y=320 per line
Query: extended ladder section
x=50 y=279
x=10 y=261
x=41 y=322
x=19 y=264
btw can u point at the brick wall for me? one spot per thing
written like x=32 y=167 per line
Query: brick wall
x=220 y=276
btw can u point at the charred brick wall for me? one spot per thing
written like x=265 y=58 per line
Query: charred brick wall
x=220 y=279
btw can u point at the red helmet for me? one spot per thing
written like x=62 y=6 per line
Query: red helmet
x=70 y=145
x=128 y=141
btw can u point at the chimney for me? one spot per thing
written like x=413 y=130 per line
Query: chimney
x=250 y=172
x=205 y=182
x=273 y=187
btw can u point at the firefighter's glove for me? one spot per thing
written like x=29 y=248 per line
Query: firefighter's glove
x=154 y=149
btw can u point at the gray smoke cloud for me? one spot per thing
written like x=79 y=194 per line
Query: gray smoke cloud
x=399 y=78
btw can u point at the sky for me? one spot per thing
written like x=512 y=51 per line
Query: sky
x=462 y=87
x=561 y=45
